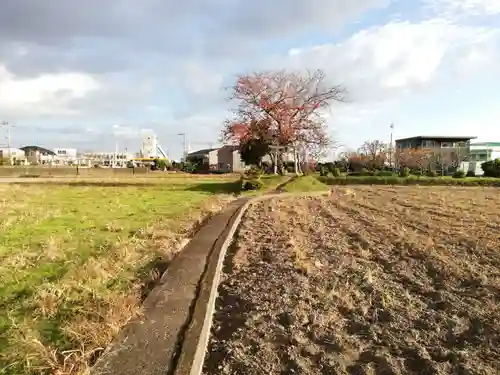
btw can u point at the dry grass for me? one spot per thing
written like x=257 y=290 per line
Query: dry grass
x=370 y=280
x=76 y=262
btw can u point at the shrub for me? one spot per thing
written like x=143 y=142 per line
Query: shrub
x=386 y=173
x=470 y=174
x=459 y=174
x=416 y=172
x=431 y=174
x=404 y=172
x=323 y=172
x=336 y=172
x=252 y=185
x=491 y=168
x=253 y=173
x=365 y=172
x=160 y=164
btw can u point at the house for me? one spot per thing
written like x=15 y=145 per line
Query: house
x=207 y=157
x=223 y=159
x=39 y=155
x=229 y=159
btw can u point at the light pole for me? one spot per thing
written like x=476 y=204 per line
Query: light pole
x=183 y=135
x=7 y=126
x=390 y=147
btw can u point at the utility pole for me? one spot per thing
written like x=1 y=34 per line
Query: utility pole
x=390 y=147
x=183 y=146
x=7 y=126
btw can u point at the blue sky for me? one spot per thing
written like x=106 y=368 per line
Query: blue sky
x=87 y=75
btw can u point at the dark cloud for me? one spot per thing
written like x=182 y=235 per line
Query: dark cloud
x=96 y=36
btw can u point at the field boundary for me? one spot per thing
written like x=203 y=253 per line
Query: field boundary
x=173 y=330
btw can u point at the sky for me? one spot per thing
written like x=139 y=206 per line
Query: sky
x=92 y=73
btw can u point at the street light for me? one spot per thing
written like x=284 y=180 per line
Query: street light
x=390 y=147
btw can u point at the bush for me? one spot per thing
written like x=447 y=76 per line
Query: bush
x=386 y=173
x=336 y=172
x=431 y=174
x=160 y=164
x=491 y=168
x=253 y=173
x=459 y=174
x=252 y=185
x=470 y=174
x=323 y=171
x=416 y=172
x=404 y=172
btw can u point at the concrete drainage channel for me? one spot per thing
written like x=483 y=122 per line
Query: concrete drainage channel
x=172 y=334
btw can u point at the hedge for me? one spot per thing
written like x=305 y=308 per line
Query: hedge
x=412 y=180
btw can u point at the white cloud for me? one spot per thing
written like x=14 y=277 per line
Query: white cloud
x=45 y=94
x=401 y=57
x=463 y=8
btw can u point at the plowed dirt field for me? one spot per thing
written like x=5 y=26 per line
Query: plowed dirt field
x=369 y=280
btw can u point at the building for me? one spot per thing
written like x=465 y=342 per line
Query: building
x=39 y=155
x=448 y=153
x=229 y=159
x=223 y=159
x=13 y=156
x=65 y=156
x=433 y=142
x=215 y=159
x=226 y=158
x=150 y=147
x=106 y=159
x=479 y=153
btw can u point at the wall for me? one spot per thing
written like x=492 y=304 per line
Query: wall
x=70 y=171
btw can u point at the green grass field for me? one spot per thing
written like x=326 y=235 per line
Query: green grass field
x=77 y=259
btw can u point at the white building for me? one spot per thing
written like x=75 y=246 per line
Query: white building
x=65 y=156
x=479 y=153
x=13 y=155
x=150 y=148
x=106 y=159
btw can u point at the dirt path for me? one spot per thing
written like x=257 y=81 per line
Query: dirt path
x=369 y=281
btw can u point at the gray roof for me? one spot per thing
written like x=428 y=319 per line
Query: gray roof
x=38 y=148
x=438 y=137
x=202 y=152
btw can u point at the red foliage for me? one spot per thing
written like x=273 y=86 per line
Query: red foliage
x=282 y=107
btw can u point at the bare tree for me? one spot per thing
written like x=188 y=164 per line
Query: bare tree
x=374 y=153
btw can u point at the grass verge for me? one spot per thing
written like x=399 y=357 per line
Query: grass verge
x=77 y=261
x=304 y=184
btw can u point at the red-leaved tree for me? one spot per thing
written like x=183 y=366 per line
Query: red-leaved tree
x=284 y=109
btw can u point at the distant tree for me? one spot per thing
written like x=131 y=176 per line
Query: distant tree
x=414 y=158
x=374 y=154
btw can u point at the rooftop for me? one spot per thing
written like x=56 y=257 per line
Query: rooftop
x=38 y=148
x=438 y=137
